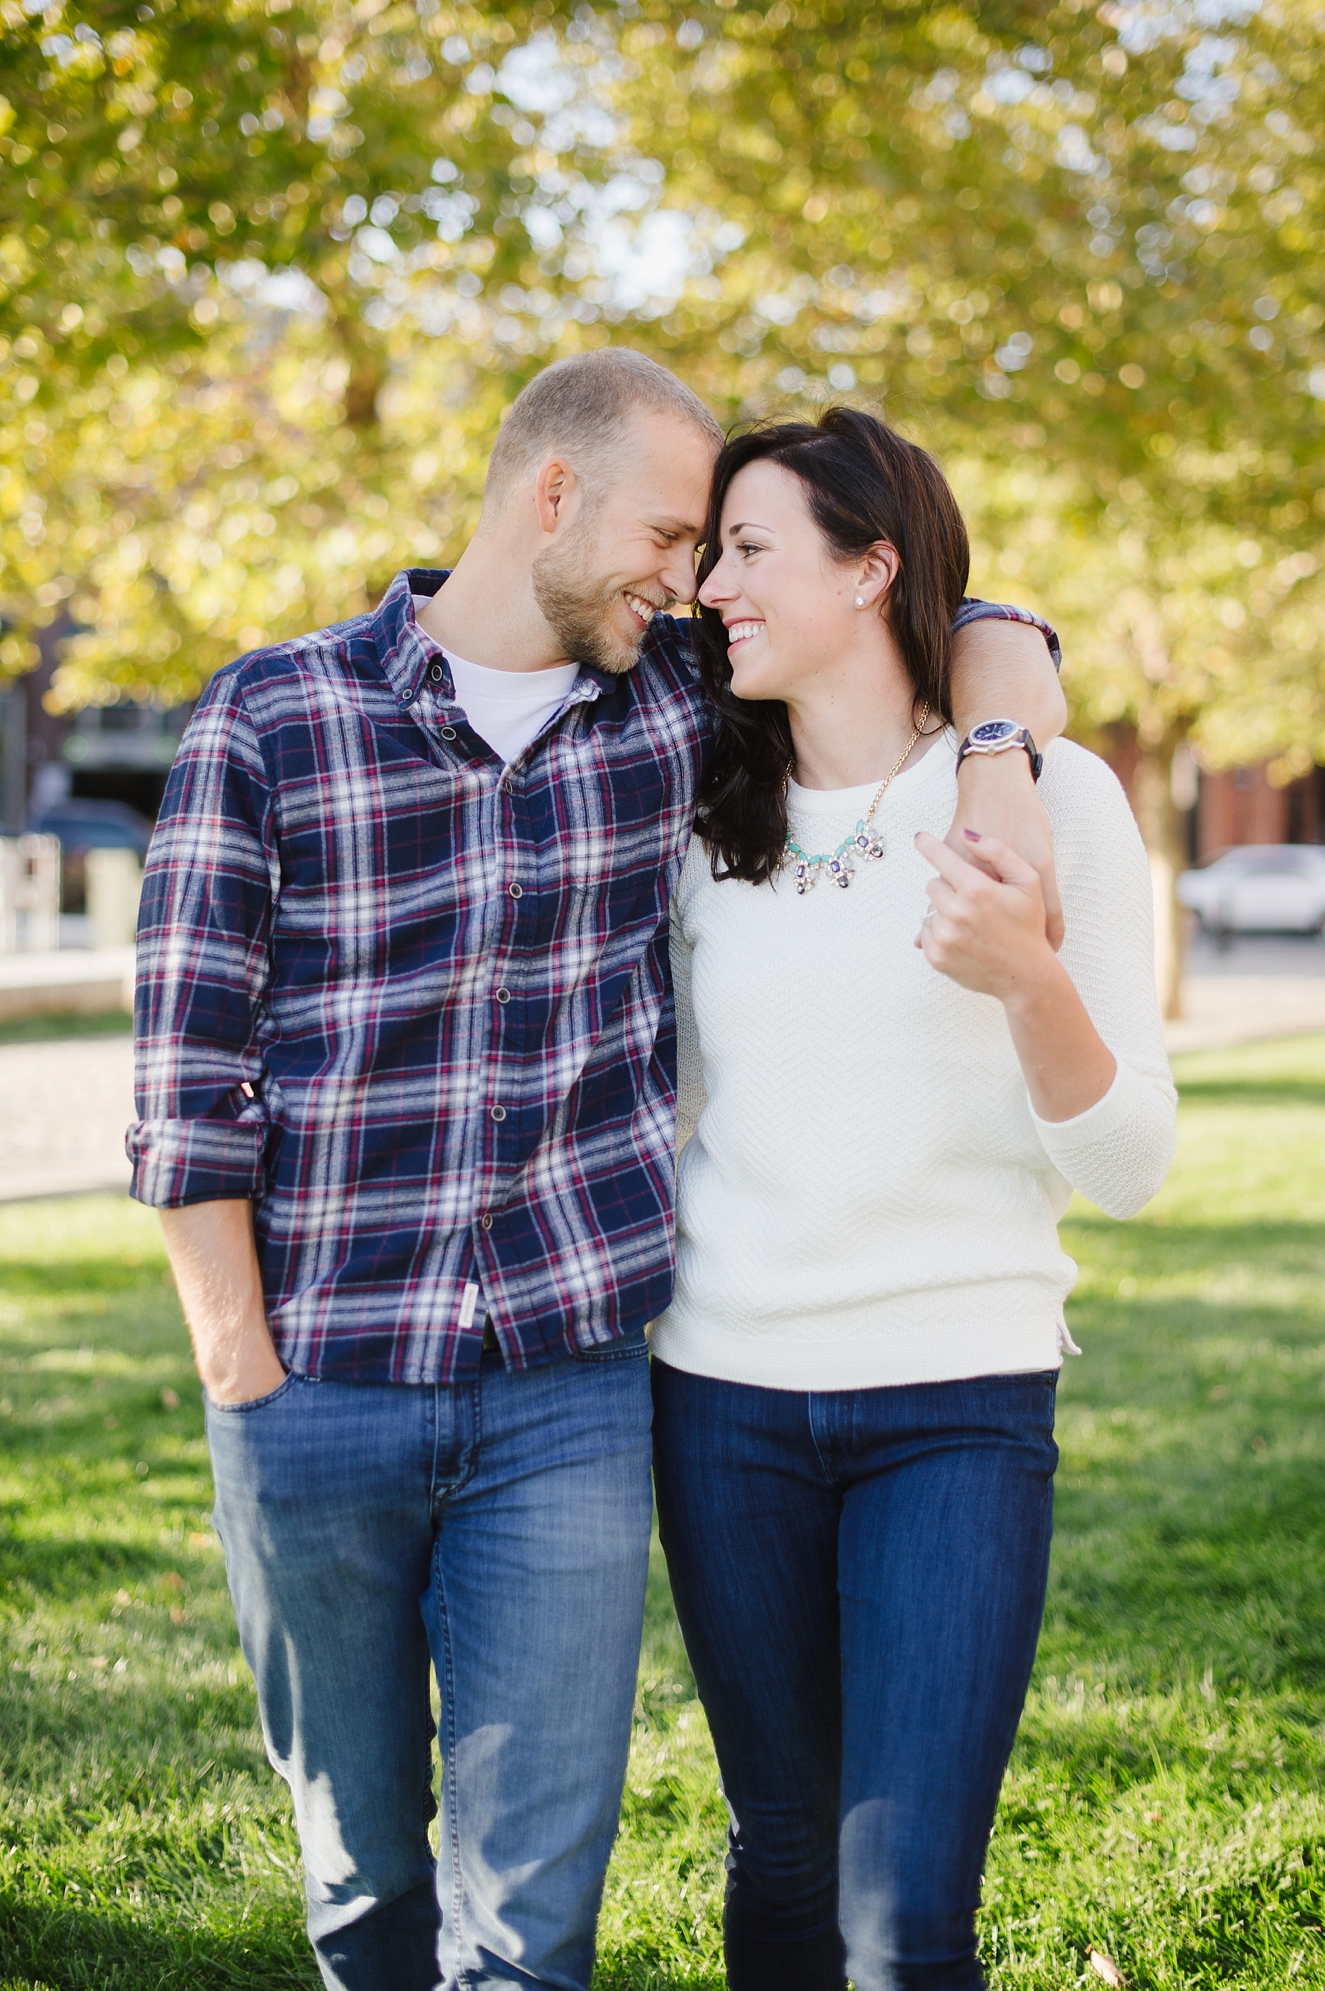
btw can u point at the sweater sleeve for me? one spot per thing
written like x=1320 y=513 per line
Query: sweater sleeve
x=691 y=1098
x=1118 y=1152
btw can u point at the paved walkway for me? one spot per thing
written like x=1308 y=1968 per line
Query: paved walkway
x=1255 y=988
x=68 y=1103
x=72 y=982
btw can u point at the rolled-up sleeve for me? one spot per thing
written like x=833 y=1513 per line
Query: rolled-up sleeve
x=208 y=893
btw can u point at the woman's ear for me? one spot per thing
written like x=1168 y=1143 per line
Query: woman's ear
x=876 y=573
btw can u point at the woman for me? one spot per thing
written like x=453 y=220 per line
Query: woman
x=854 y=1386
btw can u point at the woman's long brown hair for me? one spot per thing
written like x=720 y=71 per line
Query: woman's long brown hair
x=863 y=483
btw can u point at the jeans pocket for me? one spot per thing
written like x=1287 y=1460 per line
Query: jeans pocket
x=628 y=1350
x=256 y=1402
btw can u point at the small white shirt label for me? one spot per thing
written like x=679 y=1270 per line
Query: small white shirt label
x=468 y=1303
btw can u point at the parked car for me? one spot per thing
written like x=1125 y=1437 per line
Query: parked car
x=84 y=825
x=1259 y=888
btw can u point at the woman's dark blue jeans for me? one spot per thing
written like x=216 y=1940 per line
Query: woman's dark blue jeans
x=860 y=1578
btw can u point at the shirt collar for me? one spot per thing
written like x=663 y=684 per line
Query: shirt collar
x=405 y=650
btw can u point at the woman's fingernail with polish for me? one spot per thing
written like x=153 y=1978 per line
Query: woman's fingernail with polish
x=974 y=835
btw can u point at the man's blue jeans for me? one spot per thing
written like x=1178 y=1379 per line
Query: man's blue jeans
x=860 y=1578
x=501 y=1527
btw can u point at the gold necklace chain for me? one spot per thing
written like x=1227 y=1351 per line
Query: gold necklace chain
x=858 y=848
x=901 y=760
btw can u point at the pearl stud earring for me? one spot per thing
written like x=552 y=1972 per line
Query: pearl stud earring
x=860 y=601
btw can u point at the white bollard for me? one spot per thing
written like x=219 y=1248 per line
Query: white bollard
x=114 y=882
x=29 y=894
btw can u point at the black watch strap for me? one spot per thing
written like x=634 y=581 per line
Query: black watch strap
x=1001 y=736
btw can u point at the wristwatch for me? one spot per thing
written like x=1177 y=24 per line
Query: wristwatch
x=1000 y=736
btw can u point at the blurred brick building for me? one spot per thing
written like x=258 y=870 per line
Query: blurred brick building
x=1241 y=805
x=1234 y=806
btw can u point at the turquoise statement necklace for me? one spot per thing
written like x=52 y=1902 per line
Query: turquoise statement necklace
x=864 y=844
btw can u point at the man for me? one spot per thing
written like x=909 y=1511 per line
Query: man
x=406 y=1087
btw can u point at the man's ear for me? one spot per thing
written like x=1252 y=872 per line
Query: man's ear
x=877 y=572
x=556 y=494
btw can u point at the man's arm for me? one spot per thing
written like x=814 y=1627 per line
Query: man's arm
x=210 y=1246
x=1005 y=670
x=203 y=965
x=198 y=1143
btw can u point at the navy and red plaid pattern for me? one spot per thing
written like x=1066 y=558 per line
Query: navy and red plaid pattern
x=416 y=1005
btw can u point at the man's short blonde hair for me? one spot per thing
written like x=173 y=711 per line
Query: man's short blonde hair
x=581 y=408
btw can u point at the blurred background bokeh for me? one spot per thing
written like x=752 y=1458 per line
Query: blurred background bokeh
x=269 y=275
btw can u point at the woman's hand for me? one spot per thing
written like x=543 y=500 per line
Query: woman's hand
x=986 y=924
x=995 y=794
x=985 y=928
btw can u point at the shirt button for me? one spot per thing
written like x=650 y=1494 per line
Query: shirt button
x=448 y=732
x=486 y=1222
x=517 y=891
x=499 y=1112
x=503 y=995
x=436 y=673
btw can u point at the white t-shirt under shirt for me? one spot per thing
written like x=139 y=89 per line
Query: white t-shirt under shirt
x=508 y=709
x=867 y=1197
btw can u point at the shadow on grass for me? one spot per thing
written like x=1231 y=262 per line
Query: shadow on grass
x=73 y=1949
x=63 y=1571
x=76 y=1949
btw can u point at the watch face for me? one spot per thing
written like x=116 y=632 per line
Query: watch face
x=994 y=730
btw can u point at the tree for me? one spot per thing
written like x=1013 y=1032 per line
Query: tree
x=270 y=276
x=1180 y=633
x=260 y=258
x=1138 y=273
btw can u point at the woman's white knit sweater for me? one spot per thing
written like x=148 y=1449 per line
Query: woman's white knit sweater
x=868 y=1197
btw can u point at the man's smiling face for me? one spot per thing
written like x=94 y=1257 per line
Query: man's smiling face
x=630 y=549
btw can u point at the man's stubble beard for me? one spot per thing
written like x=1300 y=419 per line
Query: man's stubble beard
x=577 y=606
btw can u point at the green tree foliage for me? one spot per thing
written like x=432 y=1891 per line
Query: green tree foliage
x=1081 y=252
x=270 y=273
x=253 y=276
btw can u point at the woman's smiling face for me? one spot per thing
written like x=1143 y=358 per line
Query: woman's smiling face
x=786 y=603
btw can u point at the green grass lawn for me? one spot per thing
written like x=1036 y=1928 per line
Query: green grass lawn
x=50 y=1029
x=1165 y=1802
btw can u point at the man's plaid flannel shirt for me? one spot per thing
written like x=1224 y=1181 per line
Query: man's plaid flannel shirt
x=415 y=1004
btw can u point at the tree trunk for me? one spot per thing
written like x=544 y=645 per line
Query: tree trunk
x=362 y=390
x=1161 y=832
x=367 y=372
